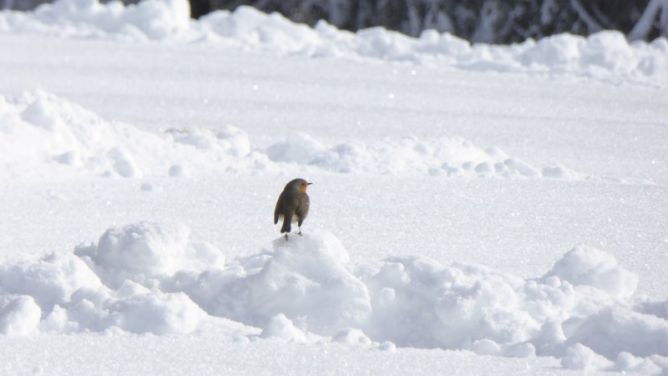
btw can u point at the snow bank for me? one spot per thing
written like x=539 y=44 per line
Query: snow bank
x=72 y=296
x=47 y=136
x=606 y=55
x=152 y=278
x=443 y=157
x=147 y=20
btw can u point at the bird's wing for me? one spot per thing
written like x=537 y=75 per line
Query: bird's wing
x=279 y=207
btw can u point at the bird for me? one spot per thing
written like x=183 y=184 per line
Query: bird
x=293 y=204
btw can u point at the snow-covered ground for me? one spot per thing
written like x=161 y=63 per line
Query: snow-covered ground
x=475 y=210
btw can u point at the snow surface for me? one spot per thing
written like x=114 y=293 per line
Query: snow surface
x=507 y=216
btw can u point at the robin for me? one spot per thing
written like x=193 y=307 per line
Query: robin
x=292 y=205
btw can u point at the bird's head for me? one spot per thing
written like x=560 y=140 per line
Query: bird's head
x=298 y=185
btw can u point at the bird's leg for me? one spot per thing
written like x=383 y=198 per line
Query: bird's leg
x=286 y=237
x=300 y=231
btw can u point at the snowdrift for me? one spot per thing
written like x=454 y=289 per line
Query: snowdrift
x=42 y=135
x=150 y=278
x=443 y=157
x=606 y=55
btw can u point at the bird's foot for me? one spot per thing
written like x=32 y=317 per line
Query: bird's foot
x=300 y=233
x=286 y=237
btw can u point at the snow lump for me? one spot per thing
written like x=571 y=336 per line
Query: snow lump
x=157 y=278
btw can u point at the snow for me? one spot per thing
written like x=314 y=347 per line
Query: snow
x=156 y=280
x=352 y=337
x=69 y=139
x=150 y=20
x=19 y=315
x=144 y=253
x=583 y=358
x=590 y=267
x=476 y=209
x=280 y=326
x=605 y=55
x=51 y=280
x=446 y=157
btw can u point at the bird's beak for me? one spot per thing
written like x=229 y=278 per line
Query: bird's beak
x=309 y=183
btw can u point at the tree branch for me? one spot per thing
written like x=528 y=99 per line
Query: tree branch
x=644 y=24
x=592 y=25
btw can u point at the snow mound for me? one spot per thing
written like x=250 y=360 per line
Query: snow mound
x=93 y=289
x=443 y=157
x=588 y=266
x=281 y=327
x=146 y=253
x=47 y=136
x=306 y=279
x=51 y=280
x=132 y=308
x=147 y=20
x=581 y=357
x=606 y=55
x=158 y=279
x=352 y=337
x=616 y=330
x=19 y=315
x=42 y=135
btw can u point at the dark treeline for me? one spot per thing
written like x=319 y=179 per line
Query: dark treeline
x=490 y=21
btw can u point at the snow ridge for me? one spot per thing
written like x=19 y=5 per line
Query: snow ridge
x=158 y=279
x=47 y=136
x=605 y=56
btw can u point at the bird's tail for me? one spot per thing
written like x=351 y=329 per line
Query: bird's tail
x=286 y=224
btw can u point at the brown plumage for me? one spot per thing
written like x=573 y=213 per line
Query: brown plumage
x=292 y=205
